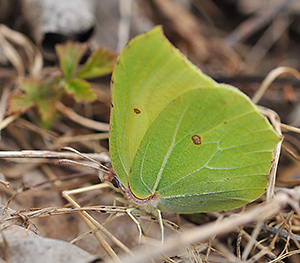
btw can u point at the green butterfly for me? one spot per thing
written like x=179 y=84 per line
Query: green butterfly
x=179 y=141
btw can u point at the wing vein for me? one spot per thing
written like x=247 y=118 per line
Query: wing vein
x=173 y=143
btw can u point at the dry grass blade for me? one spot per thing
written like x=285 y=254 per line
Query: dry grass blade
x=252 y=241
x=8 y=120
x=50 y=155
x=290 y=128
x=263 y=250
x=12 y=55
x=94 y=125
x=263 y=45
x=275 y=120
x=3 y=103
x=273 y=74
x=80 y=138
x=185 y=25
x=5 y=183
x=92 y=223
x=34 y=55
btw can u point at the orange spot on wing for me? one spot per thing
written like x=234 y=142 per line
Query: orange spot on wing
x=137 y=111
x=196 y=139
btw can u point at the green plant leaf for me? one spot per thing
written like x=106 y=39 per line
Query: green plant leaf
x=100 y=63
x=35 y=93
x=19 y=103
x=80 y=89
x=69 y=55
x=46 y=109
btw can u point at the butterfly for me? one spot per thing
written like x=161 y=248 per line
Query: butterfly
x=179 y=141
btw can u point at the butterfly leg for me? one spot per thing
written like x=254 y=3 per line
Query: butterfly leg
x=158 y=217
x=161 y=225
x=112 y=216
x=128 y=211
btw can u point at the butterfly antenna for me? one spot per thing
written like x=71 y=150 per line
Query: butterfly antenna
x=70 y=149
x=67 y=161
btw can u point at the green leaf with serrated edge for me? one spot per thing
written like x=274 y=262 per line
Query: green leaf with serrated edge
x=80 y=89
x=19 y=103
x=46 y=109
x=174 y=132
x=47 y=123
x=100 y=63
x=69 y=55
x=36 y=93
x=31 y=86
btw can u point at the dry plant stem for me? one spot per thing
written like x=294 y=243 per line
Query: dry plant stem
x=273 y=74
x=193 y=254
x=33 y=53
x=51 y=175
x=278 y=259
x=185 y=25
x=255 y=23
x=291 y=234
x=51 y=155
x=266 y=41
x=259 y=213
x=5 y=183
x=169 y=260
x=80 y=138
x=68 y=112
x=17 y=217
x=224 y=251
x=283 y=234
x=48 y=135
x=92 y=223
x=211 y=240
x=12 y=55
x=83 y=235
x=289 y=128
x=9 y=120
x=251 y=242
x=292 y=154
x=3 y=102
x=264 y=250
x=238 y=243
x=291 y=142
x=275 y=120
x=51 y=211
x=273 y=172
x=88 y=220
x=262 y=253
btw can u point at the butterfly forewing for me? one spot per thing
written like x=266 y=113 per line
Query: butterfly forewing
x=148 y=75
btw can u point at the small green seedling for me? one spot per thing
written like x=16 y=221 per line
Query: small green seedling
x=43 y=92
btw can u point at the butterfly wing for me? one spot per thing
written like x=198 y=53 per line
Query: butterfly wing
x=208 y=150
x=148 y=75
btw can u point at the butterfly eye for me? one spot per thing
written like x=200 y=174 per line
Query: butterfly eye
x=115 y=182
